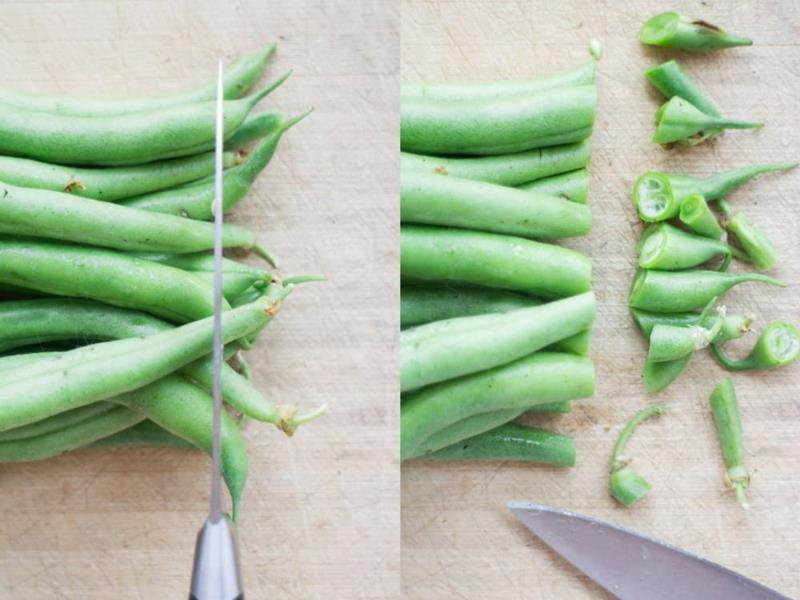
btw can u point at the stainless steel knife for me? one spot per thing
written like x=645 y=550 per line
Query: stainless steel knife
x=632 y=566
x=216 y=574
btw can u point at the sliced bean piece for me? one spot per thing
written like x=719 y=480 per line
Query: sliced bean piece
x=625 y=484
x=777 y=346
x=697 y=216
x=725 y=408
x=678 y=120
x=674 y=30
x=671 y=249
x=670 y=79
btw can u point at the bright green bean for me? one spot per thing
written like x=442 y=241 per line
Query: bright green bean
x=129 y=138
x=659 y=196
x=112 y=183
x=56 y=422
x=678 y=291
x=62 y=216
x=572 y=185
x=540 y=378
x=480 y=90
x=493 y=260
x=758 y=248
x=657 y=376
x=672 y=342
x=560 y=408
x=101 y=371
x=452 y=201
x=625 y=484
x=238 y=77
x=678 y=120
x=697 y=216
x=195 y=200
x=497 y=126
x=421 y=304
x=670 y=249
x=465 y=429
x=733 y=326
x=671 y=80
x=512 y=442
x=725 y=409
x=106 y=276
x=447 y=349
x=777 y=346
x=674 y=30
x=255 y=127
x=505 y=169
x=145 y=433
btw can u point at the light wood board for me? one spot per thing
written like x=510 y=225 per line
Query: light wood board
x=458 y=539
x=320 y=516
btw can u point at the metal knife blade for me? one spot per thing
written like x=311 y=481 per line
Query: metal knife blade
x=632 y=566
x=216 y=574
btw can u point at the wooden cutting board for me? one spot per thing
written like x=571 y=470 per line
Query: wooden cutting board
x=458 y=540
x=320 y=515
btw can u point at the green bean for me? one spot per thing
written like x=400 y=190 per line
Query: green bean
x=238 y=77
x=456 y=202
x=673 y=30
x=145 y=433
x=111 y=183
x=101 y=371
x=56 y=422
x=659 y=196
x=465 y=429
x=758 y=248
x=777 y=346
x=249 y=295
x=195 y=200
x=448 y=349
x=187 y=411
x=255 y=127
x=733 y=326
x=23 y=323
x=421 y=304
x=506 y=169
x=513 y=442
x=572 y=185
x=540 y=378
x=671 y=80
x=697 y=216
x=552 y=408
x=678 y=120
x=670 y=249
x=107 y=276
x=68 y=438
x=61 y=216
x=497 y=126
x=725 y=409
x=657 y=376
x=672 y=342
x=678 y=291
x=487 y=90
x=129 y=138
x=493 y=260
x=625 y=484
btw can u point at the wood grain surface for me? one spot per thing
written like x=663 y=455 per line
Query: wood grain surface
x=320 y=515
x=458 y=540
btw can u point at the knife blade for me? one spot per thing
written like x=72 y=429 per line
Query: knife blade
x=216 y=574
x=633 y=566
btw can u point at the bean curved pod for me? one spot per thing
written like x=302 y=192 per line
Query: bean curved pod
x=777 y=346
x=625 y=484
x=106 y=276
x=101 y=371
x=111 y=183
x=456 y=202
x=540 y=378
x=60 y=216
x=474 y=90
x=677 y=31
x=678 y=120
x=506 y=169
x=497 y=126
x=238 y=77
x=572 y=185
x=121 y=139
x=679 y=291
x=195 y=200
x=447 y=349
x=512 y=442
x=492 y=260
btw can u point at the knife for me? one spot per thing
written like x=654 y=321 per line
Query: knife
x=216 y=574
x=632 y=566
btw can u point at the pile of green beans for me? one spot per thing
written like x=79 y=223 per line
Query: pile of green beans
x=107 y=278
x=495 y=315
